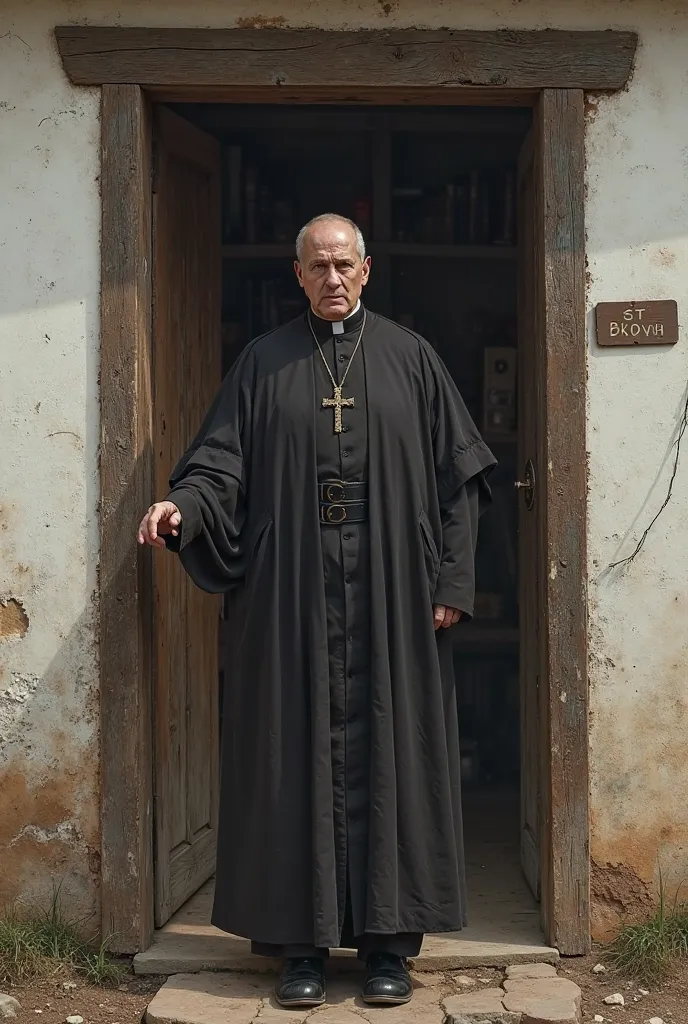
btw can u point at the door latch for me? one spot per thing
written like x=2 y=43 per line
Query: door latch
x=527 y=485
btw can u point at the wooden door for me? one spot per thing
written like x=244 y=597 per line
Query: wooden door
x=531 y=607
x=552 y=550
x=186 y=338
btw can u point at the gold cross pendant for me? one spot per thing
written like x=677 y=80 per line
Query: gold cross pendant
x=337 y=403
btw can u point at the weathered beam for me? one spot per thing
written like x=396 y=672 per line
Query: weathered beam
x=560 y=124
x=279 y=58
x=125 y=487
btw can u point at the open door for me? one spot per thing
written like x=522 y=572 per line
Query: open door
x=186 y=337
x=531 y=595
x=552 y=485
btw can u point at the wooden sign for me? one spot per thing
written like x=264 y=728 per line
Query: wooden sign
x=654 y=322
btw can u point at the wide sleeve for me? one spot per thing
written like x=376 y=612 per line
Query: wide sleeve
x=209 y=486
x=462 y=464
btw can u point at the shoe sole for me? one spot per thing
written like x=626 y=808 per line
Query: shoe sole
x=386 y=1000
x=300 y=1002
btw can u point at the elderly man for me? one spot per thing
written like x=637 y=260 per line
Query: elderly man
x=334 y=490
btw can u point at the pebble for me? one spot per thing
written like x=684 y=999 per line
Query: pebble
x=8 y=1005
x=69 y=986
x=644 y=991
x=599 y=969
x=655 y=1020
x=76 y=1019
x=614 y=1000
x=465 y=981
x=598 y=1019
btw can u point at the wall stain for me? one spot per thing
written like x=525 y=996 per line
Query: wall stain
x=47 y=836
x=664 y=257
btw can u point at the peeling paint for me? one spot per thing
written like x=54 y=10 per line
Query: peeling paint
x=618 y=897
x=63 y=832
x=262 y=21
x=14 y=622
x=14 y=700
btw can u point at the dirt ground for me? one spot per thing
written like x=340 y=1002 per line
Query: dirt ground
x=668 y=1000
x=50 y=1003
x=126 y=1003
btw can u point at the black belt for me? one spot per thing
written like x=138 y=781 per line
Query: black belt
x=342 y=502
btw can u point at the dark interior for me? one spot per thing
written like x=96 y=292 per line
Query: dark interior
x=434 y=192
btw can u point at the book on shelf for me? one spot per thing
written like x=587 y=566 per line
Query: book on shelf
x=233 y=197
x=251 y=192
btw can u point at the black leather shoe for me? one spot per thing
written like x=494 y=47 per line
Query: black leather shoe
x=388 y=981
x=302 y=982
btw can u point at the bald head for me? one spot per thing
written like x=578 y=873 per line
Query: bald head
x=331 y=265
x=326 y=222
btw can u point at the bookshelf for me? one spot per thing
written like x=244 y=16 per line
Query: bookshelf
x=285 y=251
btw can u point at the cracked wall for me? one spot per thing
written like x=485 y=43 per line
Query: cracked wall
x=637 y=247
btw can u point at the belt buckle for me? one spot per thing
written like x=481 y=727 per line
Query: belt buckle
x=334 y=495
x=329 y=513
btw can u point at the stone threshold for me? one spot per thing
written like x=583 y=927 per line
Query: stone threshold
x=527 y=994
x=189 y=954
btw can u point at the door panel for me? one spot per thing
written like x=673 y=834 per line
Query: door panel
x=531 y=352
x=186 y=336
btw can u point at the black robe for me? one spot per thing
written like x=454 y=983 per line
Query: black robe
x=340 y=756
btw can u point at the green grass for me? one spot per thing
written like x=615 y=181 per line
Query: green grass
x=46 y=944
x=650 y=950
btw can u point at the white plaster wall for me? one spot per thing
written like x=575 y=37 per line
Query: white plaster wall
x=637 y=228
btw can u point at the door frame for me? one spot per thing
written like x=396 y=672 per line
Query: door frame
x=547 y=70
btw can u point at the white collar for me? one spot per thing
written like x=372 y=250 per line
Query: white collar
x=338 y=325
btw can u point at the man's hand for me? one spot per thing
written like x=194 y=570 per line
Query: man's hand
x=160 y=520
x=445 y=617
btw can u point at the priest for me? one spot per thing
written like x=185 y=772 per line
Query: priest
x=333 y=491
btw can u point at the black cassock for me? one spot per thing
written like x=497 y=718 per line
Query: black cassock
x=340 y=794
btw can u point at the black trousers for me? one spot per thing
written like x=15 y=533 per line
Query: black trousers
x=404 y=944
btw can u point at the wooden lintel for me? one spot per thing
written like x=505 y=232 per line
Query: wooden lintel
x=409 y=59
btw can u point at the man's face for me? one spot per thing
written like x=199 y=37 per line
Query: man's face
x=331 y=272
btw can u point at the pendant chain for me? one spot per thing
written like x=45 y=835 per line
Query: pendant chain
x=348 y=365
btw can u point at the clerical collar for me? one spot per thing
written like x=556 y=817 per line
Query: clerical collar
x=324 y=329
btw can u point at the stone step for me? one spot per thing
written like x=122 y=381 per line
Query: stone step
x=524 y=997
x=504 y=929
x=189 y=953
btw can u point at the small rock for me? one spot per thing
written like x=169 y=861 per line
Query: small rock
x=531 y=971
x=464 y=981
x=69 y=986
x=655 y=1020
x=599 y=969
x=644 y=991
x=598 y=1019
x=485 y=981
x=614 y=1000
x=76 y=1019
x=8 y=1006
